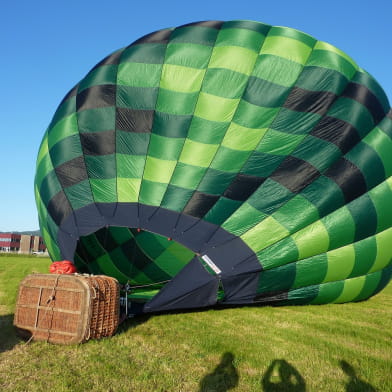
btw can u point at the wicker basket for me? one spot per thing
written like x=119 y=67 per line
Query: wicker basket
x=67 y=308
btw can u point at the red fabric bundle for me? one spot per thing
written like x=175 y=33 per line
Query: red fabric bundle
x=62 y=267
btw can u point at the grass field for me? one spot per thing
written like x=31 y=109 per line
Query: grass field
x=309 y=348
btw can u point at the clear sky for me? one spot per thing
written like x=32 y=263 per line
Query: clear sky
x=48 y=46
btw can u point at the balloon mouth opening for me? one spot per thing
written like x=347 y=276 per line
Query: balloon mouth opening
x=143 y=260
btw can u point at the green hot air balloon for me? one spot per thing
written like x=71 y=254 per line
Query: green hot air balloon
x=223 y=162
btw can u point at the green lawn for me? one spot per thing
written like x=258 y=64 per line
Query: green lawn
x=309 y=348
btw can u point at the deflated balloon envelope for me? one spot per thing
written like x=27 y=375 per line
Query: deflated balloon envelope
x=231 y=162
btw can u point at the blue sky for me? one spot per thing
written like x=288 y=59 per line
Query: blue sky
x=48 y=46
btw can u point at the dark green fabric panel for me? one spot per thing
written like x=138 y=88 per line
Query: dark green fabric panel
x=44 y=167
x=188 y=55
x=79 y=195
x=295 y=122
x=194 y=34
x=277 y=279
x=365 y=254
x=163 y=147
x=129 y=168
x=157 y=248
x=381 y=143
x=354 y=113
x=80 y=264
x=277 y=69
x=102 y=167
x=107 y=267
x=365 y=217
x=50 y=186
x=94 y=268
x=171 y=125
x=168 y=256
x=123 y=263
x=95 y=120
x=205 y=131
x=363 y=78
x=243 y=219
x=152 y=53
x=152 y=244
x=279 y=253
x=106 y=74
x=321 y=79
x=229 y=160
x=261 y=164
x=134 y=262
x=246 y=38
x=296 y=214
x=329 y=60
x=320 y=153
x=120 y=234
x=89 y=248
x=278 y=143
x=65 y=150
x=154 y=273
x=187 y=176
x=386 y=275
x=224 y=83
x=129 y=255
x=151 y=192
x=63 y=129
x=326 y=201
x=370 y=164
x=215 y=181
x=176 y=198
x=369 y=288
x=302 y=296
x=179 y=102
x=341 y=227
x=328 y=292
x=311 y=271
x=138 y=98
x=263 y=93
x=104 y=190
x=381 y=198
x=132 y=143
x=252 y=116
x=247 y=24
x=270 y=196
x=106 y=238
x=59 y=208
x=222 y=210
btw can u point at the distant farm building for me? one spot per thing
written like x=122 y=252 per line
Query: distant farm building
x=21 y=243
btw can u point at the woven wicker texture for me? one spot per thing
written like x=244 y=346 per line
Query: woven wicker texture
x=67 y=308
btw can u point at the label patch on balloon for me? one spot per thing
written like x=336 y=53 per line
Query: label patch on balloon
x=211 y=264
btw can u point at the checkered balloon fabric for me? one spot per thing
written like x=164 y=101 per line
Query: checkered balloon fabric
x=259 y=146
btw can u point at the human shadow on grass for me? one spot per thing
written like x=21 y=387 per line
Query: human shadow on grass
x=282 y=377
x=8 y=336
x=355 y=383
x=223 y=378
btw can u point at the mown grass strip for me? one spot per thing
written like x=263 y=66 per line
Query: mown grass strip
x=320 y=348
